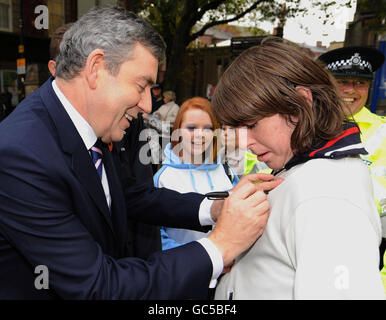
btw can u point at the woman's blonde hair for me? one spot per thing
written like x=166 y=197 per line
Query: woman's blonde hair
x=170 y=95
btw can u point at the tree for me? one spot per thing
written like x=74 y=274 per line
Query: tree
x=178 y=20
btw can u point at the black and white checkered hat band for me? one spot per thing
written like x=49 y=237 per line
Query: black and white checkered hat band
x=354 y=61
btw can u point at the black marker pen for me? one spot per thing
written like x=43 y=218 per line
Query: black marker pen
x=218 y=195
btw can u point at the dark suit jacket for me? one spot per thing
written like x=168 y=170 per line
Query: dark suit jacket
x=53 y=212
x=137 y=179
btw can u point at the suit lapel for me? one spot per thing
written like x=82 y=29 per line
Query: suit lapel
x=118 y=206
x=72 y=144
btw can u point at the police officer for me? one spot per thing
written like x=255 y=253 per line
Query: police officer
x=156 y=97
x=353 y=68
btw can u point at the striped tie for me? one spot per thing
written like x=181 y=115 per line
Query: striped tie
x=96 y=155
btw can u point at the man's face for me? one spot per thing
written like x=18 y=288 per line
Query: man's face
x=354 y=92
x=118 y=99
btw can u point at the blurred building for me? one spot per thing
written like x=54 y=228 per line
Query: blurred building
x=221 y=35
x=335 y=45
x=204 y=65
x=314 y=51
x=369 y=24
x=27 y=38
x=368 y=28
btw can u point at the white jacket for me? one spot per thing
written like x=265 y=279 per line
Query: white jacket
x=321 y=240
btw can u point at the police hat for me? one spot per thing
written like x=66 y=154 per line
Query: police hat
x=353 y=62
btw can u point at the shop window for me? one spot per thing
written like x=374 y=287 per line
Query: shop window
x=5 y=15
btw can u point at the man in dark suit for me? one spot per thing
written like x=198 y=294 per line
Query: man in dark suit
x=62 y=205
x=156 y=97
x=136 y=179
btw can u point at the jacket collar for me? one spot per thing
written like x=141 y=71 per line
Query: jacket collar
x=85 y=131
x=66 y=131
x=348 y=143
x=366 y=116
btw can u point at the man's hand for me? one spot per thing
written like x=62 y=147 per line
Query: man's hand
x=243 y=218
x=228 y=268
x=262 y=181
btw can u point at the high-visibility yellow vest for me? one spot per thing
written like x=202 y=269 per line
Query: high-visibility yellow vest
x=373 y=136
x=252 y=165
x=383 y=273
